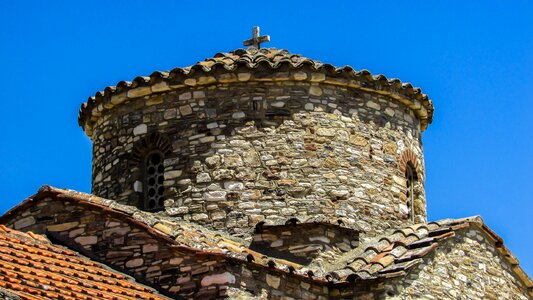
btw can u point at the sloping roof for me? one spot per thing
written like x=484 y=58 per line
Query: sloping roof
x=390 y=255
x=33 y=268
x=254 y=59
x=394 y=254
x=184 y=235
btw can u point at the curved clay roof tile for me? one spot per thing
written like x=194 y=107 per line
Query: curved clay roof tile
x=109 y=90
x=159 y=74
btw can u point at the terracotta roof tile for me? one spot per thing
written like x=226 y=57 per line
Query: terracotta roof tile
x=406 y=248
x=32 y=268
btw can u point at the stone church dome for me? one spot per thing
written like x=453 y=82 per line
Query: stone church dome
x=262 y=136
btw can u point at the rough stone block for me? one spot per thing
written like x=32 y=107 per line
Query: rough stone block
x=315 y=91
x=140 y=129
x=215 y=196
x=150 y=248
x=244 y=76
x=299 y=76
x=161 y=86
x=62 y=227
x=136 y=262
x=139 y=92
x=185 y=110
x=24 y=222
x=273 y=281
x=218 y=279
x=173 y=174
x=317 y=77
x=86 y=240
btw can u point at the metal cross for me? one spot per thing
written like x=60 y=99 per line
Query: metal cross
x=256 y=39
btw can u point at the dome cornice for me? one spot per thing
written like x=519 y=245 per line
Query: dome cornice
x=259 y=65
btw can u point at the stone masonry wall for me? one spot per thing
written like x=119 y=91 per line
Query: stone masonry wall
x=130 y=248
x=466 y=267
x=301 y=243
x=266 y=151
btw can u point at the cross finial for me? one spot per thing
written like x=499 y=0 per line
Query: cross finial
x=256 y=39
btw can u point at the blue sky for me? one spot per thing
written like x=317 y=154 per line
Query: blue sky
x=473 y=58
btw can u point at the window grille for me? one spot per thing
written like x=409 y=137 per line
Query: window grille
x=153 y=181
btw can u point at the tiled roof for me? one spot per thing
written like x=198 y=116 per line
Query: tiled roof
x=185 y=235
x=33 y=268
x=394 y=254
x=252 y=59
x=378 y=258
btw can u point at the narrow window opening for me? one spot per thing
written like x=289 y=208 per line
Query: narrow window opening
x=153 y=181
x=410 y=176
x=255 y=105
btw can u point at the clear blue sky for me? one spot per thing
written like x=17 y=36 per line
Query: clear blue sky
x=473 y=58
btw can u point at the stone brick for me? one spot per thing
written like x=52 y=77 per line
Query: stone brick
x=24 y=222
x=173 y=174
x=215 y=196
x=86 y=240
x=140 y=129
x=317 y=77
x=185 y=110
x=160 y=87
x=62 y=227
x=150 y=248
x=273 y=281
x=139 y=92
x=243 y=76
x=203 y=177
x=373 y=105
x=300 y=76
x=218 y=279
x=315 y=91
x=133 y=263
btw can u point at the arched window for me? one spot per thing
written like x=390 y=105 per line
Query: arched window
x=147 y=157
x=411 y=178
x=153 y=180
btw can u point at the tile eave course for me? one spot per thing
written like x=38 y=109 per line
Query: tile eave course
x=247 y=60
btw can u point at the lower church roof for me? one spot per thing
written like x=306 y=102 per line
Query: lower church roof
x=375 y=259
x=31 y=267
